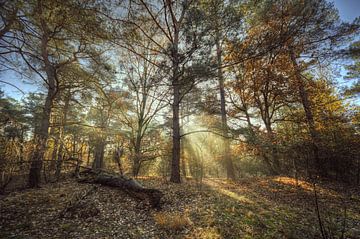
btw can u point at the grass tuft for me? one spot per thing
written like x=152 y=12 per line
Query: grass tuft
x=172 y=220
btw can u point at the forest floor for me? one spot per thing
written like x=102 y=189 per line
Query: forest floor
x=271 y=207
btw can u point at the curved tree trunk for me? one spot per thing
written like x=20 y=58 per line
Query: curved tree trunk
x=41 y=135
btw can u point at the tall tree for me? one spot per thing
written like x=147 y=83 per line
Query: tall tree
x=301 y=31
x=52 y=35
x=224 y=20
x=143 y=81
x=176 y=41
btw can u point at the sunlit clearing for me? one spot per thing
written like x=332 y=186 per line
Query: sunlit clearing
x=292 y=182
x=231 y=194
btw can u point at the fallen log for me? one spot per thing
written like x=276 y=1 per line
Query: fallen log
x=129 y=185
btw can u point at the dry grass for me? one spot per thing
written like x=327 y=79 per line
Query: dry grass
x=172 y=220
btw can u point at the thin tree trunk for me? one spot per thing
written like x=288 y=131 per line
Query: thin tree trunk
x=358 y=171
x=59 y=162
x=74 y=152
x=61 y=136
x=88 y=155
x=21 y=146
x=183 y=159
x=55 y=151
x=117 y=158
x=274 y=151
x=230 y=173
x=78 y=162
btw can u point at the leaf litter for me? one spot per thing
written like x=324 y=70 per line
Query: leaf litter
x=272 y=207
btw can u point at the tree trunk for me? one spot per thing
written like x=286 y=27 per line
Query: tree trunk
x=41 y=136
x=131 y=186
x=61 y=136
x=117 y=158
x=230 y=173
x=54 y=152
x=59 y=161
x=89 y=149
x=137 y=156
x=182 y=151
x=99 y=155
x=136 y=166
x=40 y=139
x=175 y=163
x=274 y=151
x=358 y=171
x=309 y=116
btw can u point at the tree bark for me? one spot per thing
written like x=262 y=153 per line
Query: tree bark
x=99 y=155
x=182 y=145
x=40 y=139
x=137 y=156
x=175 y=163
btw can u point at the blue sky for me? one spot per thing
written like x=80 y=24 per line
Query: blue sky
x=26 y=86
x=348 y=11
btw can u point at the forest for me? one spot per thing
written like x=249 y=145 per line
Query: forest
x=179 y=119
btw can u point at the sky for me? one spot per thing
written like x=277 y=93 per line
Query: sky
x=348 y=11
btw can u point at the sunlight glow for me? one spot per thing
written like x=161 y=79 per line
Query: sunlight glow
x=292 y=182
x=203 y=149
